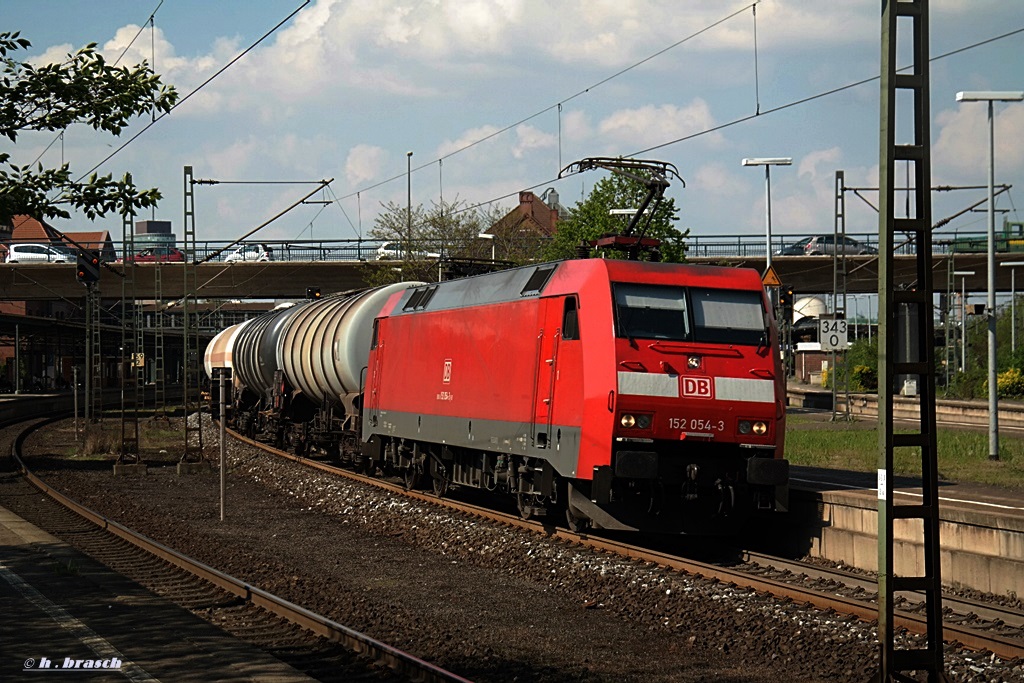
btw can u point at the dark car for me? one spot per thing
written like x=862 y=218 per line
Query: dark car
x=826 y=245
x=795 y=249
x=159 y=254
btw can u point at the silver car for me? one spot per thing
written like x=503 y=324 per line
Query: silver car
x=39 y=253
x=826 y=245
x=251 y=252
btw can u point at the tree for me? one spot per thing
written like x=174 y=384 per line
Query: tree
x=446 y=229
x=591 y=218
x=81 y=89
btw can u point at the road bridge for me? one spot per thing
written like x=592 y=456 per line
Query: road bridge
x=289 y=279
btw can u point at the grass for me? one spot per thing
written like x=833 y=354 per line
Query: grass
x=963 y=455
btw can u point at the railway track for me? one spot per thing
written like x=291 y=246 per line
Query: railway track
x=976 y=626
x=314 y=644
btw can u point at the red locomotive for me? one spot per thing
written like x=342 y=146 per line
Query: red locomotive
x=630 y=395
x=635 y=395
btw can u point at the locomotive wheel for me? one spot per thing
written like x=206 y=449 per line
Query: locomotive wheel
x=411 y=477
x=440 y=486
x=524 y=502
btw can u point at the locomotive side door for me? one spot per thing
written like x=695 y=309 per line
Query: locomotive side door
x=371 y=389
x=548 y=335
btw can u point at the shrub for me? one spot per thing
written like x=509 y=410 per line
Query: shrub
x=864 y=378
x=1009 y=384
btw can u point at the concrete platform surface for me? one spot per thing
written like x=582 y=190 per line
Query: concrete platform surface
x=66 y=614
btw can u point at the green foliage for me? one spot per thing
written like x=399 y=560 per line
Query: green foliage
x=1010 y=383
x=81 y=89
x=861 y=360
x=449 y=229
x=864 y=379
x=590 y=219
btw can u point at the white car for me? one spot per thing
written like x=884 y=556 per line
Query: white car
x=392 y=251
x=251 y=252
x=39 y=253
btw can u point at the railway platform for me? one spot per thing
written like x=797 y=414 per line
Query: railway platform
x=65 y=613
x=981 y=528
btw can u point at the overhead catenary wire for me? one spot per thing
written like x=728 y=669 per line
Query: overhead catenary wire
x=150 y=21
x=743 y=119
x=558 y=105
x=202 y=85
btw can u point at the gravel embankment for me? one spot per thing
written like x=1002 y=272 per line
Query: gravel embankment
x=485 y=601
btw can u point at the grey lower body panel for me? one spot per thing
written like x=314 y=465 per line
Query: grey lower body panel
x=560 y=444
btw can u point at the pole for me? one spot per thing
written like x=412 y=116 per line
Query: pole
x=74 y=389
x=993 y=384
x=963 y=324
x=223 y=449
x=1013 y=310
x=17 y=359
x=768 y=214
x=408 y=210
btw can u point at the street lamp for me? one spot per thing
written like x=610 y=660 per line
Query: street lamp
x=991 y=96
x=488 y=236
x=768 y=162
x=1013 y=265
x=408 y=210
x=963 y=274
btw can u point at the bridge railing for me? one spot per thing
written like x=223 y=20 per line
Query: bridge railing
x=698 y=246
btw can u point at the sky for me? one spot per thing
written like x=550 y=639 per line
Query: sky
x=496 y=96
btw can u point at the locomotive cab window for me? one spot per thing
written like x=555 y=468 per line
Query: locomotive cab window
x=570 y=320
x=728 y=316
x=651 y=312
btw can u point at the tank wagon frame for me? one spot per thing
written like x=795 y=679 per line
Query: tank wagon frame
x=630 y=395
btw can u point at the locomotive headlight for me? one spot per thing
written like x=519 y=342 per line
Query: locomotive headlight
x=693 y=362
x=751 y=427
x=636 y=420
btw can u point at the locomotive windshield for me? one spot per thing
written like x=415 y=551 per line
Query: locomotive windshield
x=716 y=316
x=727 y=316
x=651 y=312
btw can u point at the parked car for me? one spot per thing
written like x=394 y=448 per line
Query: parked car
x=39 y=253
x=158 y=255
x=251 y=252
x=392 y=251
x=826 y=244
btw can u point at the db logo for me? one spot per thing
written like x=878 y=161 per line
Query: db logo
x=697 y=387
x=447 y=377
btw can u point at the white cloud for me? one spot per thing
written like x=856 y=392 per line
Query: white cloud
x=809 y=164
x=364 y=163
x=529 y=138
x=576 y=125
x=711 y=179
x=468 y=138
x=961 y=149
x=650 y=124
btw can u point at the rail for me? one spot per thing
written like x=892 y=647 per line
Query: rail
x=1003 y=646
x=398 y=660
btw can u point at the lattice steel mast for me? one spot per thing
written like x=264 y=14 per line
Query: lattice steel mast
x=892 y=303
